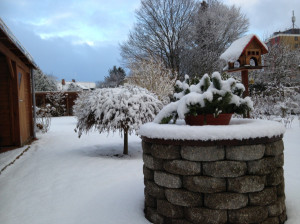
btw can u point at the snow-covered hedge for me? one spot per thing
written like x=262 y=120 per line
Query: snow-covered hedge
x=208 y=96
x=115 y=109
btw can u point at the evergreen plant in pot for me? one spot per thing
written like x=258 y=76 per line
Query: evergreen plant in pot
x=209 y=101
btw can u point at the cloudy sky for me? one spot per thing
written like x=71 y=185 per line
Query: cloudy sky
x=79 y=39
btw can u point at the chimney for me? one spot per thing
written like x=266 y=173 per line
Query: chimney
x=63 y=82
x=73 y=80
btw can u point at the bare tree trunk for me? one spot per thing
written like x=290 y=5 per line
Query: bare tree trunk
x=125 y=149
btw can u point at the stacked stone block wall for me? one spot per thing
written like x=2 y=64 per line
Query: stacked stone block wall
x=214 y=184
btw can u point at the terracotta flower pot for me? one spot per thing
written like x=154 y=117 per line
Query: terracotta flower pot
x=208 y=119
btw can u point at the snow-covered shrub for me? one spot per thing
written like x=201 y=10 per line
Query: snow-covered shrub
x=43 y=118
x=57 y=101
x=275 y=101
x=208 y=96
x=121 y=109
x=154 y=76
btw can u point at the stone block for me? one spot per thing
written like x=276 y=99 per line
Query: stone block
x=166 y=151
x=271 y=220
x=264 y=197
x=279 y=160
x=167 y=180
x=207 y=216
x=148 y=174
x=280 y=189
x=246 y=184
x=176 y=221
x=150 y=201
x=283 y=217
x=225 y=200
x=199 y=153
x=183 y=198
x=167 y=209
x=245 y=152
x=153 y=216
x=154 y=190
x=278 y=207
x=146 y=147
x=152 y=163
x=224 y=168
x=204 y=184
x=274 y=148
x=275 y=178
x=263 y=166
x=250 y=214
x=182 y=167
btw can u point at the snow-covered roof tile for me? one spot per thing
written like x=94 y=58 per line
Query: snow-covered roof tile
x=235 y=50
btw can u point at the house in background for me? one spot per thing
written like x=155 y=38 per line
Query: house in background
x=290 y=37
x=75 y=86
x=16 y=110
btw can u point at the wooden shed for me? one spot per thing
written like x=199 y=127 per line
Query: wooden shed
x=16 y=88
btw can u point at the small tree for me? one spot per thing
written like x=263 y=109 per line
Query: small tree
x=121 y=109
x=44 y=82
x=57 y=101
x=154 y=76
x=115 y=78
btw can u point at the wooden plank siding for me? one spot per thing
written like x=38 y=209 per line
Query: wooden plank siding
x=16 y=120
x=6 y=130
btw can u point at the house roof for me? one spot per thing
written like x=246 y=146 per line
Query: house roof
x=235 y=50
x=79 y=85
x=12 y=43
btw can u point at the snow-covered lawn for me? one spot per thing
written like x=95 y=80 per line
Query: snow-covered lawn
x=66 y=180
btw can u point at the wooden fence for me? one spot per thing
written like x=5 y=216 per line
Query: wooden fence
x=42 y=99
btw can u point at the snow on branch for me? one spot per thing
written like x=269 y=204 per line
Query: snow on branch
x=115 y=109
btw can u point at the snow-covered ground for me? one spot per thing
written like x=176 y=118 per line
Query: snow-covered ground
x=66 y=180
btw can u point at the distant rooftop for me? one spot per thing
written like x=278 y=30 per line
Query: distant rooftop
x=289 y=31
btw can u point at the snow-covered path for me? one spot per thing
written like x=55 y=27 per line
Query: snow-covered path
x=66 y=180
x=63 y=179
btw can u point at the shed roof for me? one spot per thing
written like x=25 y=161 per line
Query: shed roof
x=235 y=50
x=12 y=43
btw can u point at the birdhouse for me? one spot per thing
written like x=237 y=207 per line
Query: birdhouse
x=244 y=53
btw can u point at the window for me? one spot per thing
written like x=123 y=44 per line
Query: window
x=296 y=38
x=20 y=79
x=296 y=45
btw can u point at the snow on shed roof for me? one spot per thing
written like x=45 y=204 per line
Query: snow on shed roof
x=7 y=32
x=235 y=50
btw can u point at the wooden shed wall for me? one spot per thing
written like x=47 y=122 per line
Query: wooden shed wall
x=16 y=100
x=6 y=122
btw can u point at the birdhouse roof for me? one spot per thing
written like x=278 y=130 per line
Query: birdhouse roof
x=238 y=47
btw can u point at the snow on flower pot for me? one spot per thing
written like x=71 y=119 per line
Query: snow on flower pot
x=211 y=98
x=214 y=174
x=208 y=119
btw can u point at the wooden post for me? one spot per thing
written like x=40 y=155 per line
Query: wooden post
x=245 y=81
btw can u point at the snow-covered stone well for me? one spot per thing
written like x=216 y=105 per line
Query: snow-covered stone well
x=214 y=174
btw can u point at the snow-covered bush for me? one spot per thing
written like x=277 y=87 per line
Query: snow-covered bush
x=276 y=102
x=208 y=96
x=121 y=109
x=57 y=101
x=43 y=118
